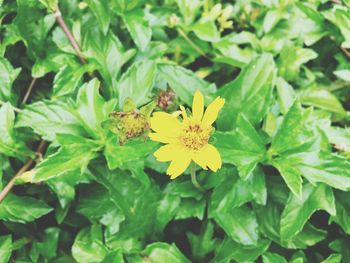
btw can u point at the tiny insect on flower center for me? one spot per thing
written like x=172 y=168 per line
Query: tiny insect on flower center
x=194 y=136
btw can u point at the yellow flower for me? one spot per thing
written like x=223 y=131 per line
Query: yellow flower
x=187 y=140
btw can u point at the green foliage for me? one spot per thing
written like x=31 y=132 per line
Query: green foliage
x=95 y=192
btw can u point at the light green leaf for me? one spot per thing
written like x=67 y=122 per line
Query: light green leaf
x=206 y=30
x=22 y=209
x=48 y=118
x=185 y=83
x=272 y=17
x=341 y=18
x=101 y=11
x=75 y=153
x=240 y=224
x=10 y=145
x=298 y=211
x=333 y=258
x=138 y=27
x=230 y=250
x=7 y=76
x=137 y=83
x=250 y=93
x=322 y=99
x=163 y=252
x=90 y=107
x=189 y=9
x=343 y=74
x=269 y=257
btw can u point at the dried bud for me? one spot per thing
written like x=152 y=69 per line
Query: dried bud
x=166 y=99
x=130 y=123
x=174 y=20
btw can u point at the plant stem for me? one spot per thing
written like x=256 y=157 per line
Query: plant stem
x=29 y=90
x=197 y=48
x=194 y=177
x=346 y=52
x=24 y=168
x=69 y=35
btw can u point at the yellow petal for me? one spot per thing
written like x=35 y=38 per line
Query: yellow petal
x=212 y=111
x=165 y=123
x=159 y=137
x=166 y=153
x=208 y=156
x=183 y=112
x=198 y=106
x=181 y=161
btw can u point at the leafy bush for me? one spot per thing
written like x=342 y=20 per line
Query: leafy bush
x=79 y=87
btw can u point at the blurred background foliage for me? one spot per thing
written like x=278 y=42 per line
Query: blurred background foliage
x=87 y=188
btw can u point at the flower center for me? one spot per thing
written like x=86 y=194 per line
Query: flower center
x=195 y=136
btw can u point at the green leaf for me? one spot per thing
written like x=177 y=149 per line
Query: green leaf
x=68 y=79
x=184 y=82
x=327 y=168
x=75 y=153
x=162 y=252
x=22 y=209
x=269 y=257
x=340 y=17
x=7 y=76
x=138 y=27
x=205 y=242
x=271 y=19
x=5 y=248
x=10 y=145
x=342 y=217
x=291 y=59
x=322 y=99
x=250 y=93
x=88 y=245
x=233 y=192
x=188 y=9
x=137 y=83
x=48 y=119
x=206 y=30
x=101 y=10
x=298 y=211
x=95 y=204
x=132 y=150
x=240 y=224
x=343 y=74
x=290 y=174
x=230 y=250
x=333 y=258
x=242 y=147
x=90 y=107
x=292 y=132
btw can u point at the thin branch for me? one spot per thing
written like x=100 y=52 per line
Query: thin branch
x=24 y=168
x=197 y=48
x=14 y=108
x=346 y=52
x=29 y=90
x=69 y=35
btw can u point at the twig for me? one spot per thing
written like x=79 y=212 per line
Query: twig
x=29 y=90
x=14 y=108
x=24 y=168
x=69 y=35
x=338 y=2
x=198 y=49
x=194 y=178
x=346 y=52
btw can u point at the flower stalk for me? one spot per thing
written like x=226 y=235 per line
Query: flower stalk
x=194 y=177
